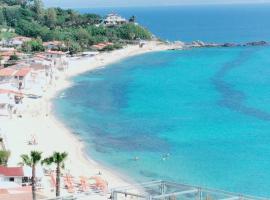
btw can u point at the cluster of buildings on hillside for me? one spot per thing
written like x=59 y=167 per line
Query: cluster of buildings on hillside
x=29 y=75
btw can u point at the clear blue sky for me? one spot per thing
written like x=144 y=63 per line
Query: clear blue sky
x=116 y=3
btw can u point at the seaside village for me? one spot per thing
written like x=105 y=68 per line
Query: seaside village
x=25 y=78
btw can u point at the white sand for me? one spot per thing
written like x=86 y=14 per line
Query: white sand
x=52 y=135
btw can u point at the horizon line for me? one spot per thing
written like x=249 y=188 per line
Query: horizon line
x=169 y=5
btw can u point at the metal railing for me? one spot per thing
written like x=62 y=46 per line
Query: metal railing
x=163 y=190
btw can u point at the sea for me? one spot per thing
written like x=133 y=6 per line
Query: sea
x=197 y=116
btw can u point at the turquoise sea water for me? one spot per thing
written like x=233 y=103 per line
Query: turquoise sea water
x=198 y=116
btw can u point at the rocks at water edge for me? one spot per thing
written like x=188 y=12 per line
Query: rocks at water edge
x=259 y=43
x=198 y=44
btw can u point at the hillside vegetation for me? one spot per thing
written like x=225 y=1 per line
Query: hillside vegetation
x=79 y=31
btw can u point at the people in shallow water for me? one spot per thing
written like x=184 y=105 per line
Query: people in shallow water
x=136 y=158
x=165 y=157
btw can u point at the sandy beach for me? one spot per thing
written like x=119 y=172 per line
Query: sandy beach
x=52 y=135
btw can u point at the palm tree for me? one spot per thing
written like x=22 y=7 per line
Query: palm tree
x=4 y=156
x=58 y=159
x=32 y=160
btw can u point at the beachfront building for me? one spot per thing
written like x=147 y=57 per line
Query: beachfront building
x=101 y=46
x=53 y=45
x=59 y=59
x=23 y=78
x=6 y=53
x=12 y=174
x=43 y=70
x=19 y=175
x=6 y=102
x=17 y=41
x=114 y=20
x=7 y=75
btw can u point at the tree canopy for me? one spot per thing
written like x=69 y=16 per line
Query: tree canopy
x=30 y=18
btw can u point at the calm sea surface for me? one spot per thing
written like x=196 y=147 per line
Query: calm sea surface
x=198 y=116
x=227 y=23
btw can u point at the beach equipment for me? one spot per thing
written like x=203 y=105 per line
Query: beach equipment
x=100 y=183
x=68 y=183
x=84 y=184
x=52 y=180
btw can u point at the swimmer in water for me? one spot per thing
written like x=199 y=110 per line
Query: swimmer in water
x=136 y=158
x=166 y=156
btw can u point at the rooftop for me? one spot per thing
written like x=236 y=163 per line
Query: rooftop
x=11 y=171
x=23 y=71
x=56 y=43
x=56 y=52
x=7 y=72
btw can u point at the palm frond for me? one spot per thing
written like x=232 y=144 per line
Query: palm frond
x=59 y=157
x=26 y=160
x=47 y=161
x=35 y=156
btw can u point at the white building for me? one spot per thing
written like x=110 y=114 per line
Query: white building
x=17 y=41
x=59 y=59
x=7 y=75
x=23 y=78
x=114 y=20
x=6 y=103
x=19 y=175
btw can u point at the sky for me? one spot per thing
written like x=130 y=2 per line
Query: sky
x=130 y=3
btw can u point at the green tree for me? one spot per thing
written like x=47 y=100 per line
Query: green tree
x=14 y=57
x=82 y=37
x=51 y=18
x=12 y=15
x=74 y=48
x=132 y=19
x=35 y=45
x=132 y=31
x=2 y=17
x=32 y=160
x=58 y=159
x=38 y=9
x=4 y=156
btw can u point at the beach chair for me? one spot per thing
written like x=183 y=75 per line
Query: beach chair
x=83 y=184
x=53 y=180
x=68 y=183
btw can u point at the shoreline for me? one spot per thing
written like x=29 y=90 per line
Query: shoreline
x=38 y=119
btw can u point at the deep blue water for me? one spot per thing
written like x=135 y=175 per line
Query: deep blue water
x=208 y=110
x=226 y=23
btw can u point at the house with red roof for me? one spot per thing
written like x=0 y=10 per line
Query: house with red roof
x=20 y=175
x=12 y=174
x=23 y=77
x=18 y=41
x=101 y=46
x=7 y=75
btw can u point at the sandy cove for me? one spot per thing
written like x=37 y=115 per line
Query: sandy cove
x=51 y=134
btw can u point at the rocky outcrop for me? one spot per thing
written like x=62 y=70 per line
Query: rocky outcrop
x=229 y=45
x=259 y=43
x=198 y=43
